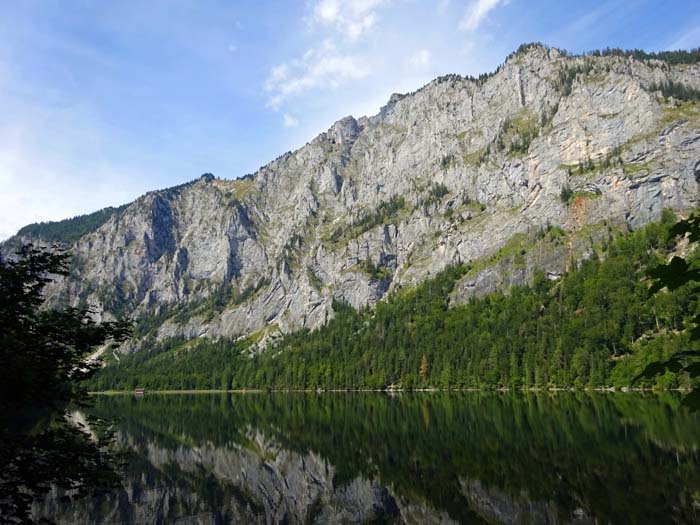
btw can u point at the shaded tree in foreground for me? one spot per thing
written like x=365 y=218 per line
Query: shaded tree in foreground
x=676 y=273
x=42 y=361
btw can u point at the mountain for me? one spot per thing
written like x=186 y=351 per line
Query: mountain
x=463 y=170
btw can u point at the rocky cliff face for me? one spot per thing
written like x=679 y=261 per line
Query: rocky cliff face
x=521 y=171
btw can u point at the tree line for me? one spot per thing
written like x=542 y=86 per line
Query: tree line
x=597 y=326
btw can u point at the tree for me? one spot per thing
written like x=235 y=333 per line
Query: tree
x=676 y=273
x=566 y=194
x=42 y=358
x=424 y=368
x=226 y=378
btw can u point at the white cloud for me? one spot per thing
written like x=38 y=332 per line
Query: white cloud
x=232 y=48
x=323 y=68
x=477 y=11
x=350 y=18
x=327 y=11
x=290 y=121
x=335 y=60
x=420 y=59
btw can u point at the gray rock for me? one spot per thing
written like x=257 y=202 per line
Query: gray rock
x=269 y=253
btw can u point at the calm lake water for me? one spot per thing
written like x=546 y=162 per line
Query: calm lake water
x=407 y=458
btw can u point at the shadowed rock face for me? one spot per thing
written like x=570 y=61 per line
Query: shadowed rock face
x=448 y=174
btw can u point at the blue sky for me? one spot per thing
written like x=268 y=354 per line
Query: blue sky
x=102 y=101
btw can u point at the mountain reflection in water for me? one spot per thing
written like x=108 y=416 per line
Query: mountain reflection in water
x=409 y=458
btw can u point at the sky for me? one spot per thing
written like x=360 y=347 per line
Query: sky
x=102 y=101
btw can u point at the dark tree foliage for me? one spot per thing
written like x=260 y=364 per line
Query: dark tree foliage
x=566 y=194
x=42 y=357
x=385 y=210
x=681 y=56
x=676 y=274
x=594 y=327
x=677 y=90
x=70 y=230
x=568 y=74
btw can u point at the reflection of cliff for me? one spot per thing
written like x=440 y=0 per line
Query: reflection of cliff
x=440 y=458
x=274 y=485
x=264 y=483
x=497 y=506
x=259 y=483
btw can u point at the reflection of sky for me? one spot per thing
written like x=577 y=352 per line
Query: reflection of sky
x=100 y=102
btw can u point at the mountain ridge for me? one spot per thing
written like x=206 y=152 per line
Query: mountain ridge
x=461 y=170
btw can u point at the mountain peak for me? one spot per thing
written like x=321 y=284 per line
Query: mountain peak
x=345 y=130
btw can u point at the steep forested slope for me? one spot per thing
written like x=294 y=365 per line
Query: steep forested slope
x=596 y=326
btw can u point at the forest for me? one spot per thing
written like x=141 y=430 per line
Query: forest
x=596 y=327
x=70 y=230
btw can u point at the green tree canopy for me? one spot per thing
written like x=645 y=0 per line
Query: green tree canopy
x=672 y=275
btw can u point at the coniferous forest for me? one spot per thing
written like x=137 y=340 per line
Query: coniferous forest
x=597 y=326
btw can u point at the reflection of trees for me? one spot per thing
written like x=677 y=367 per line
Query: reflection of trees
x=622 y=458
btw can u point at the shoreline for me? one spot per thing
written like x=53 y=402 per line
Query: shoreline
x=572 y=390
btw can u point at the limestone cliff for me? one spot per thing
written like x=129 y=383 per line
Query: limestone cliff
x=460 y=171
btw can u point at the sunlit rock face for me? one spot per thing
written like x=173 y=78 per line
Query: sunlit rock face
x=451 y=173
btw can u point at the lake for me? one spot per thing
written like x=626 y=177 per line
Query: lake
x=401 y=458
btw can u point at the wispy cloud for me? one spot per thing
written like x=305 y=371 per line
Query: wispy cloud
x=690 y=38
x=324 y=67
x=477 y=11
x=420 y=59
x=350 y=18
x=335 y=59
x=588 y=23
x=290 y=121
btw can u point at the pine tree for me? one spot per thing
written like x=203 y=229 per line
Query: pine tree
x=424 y=368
